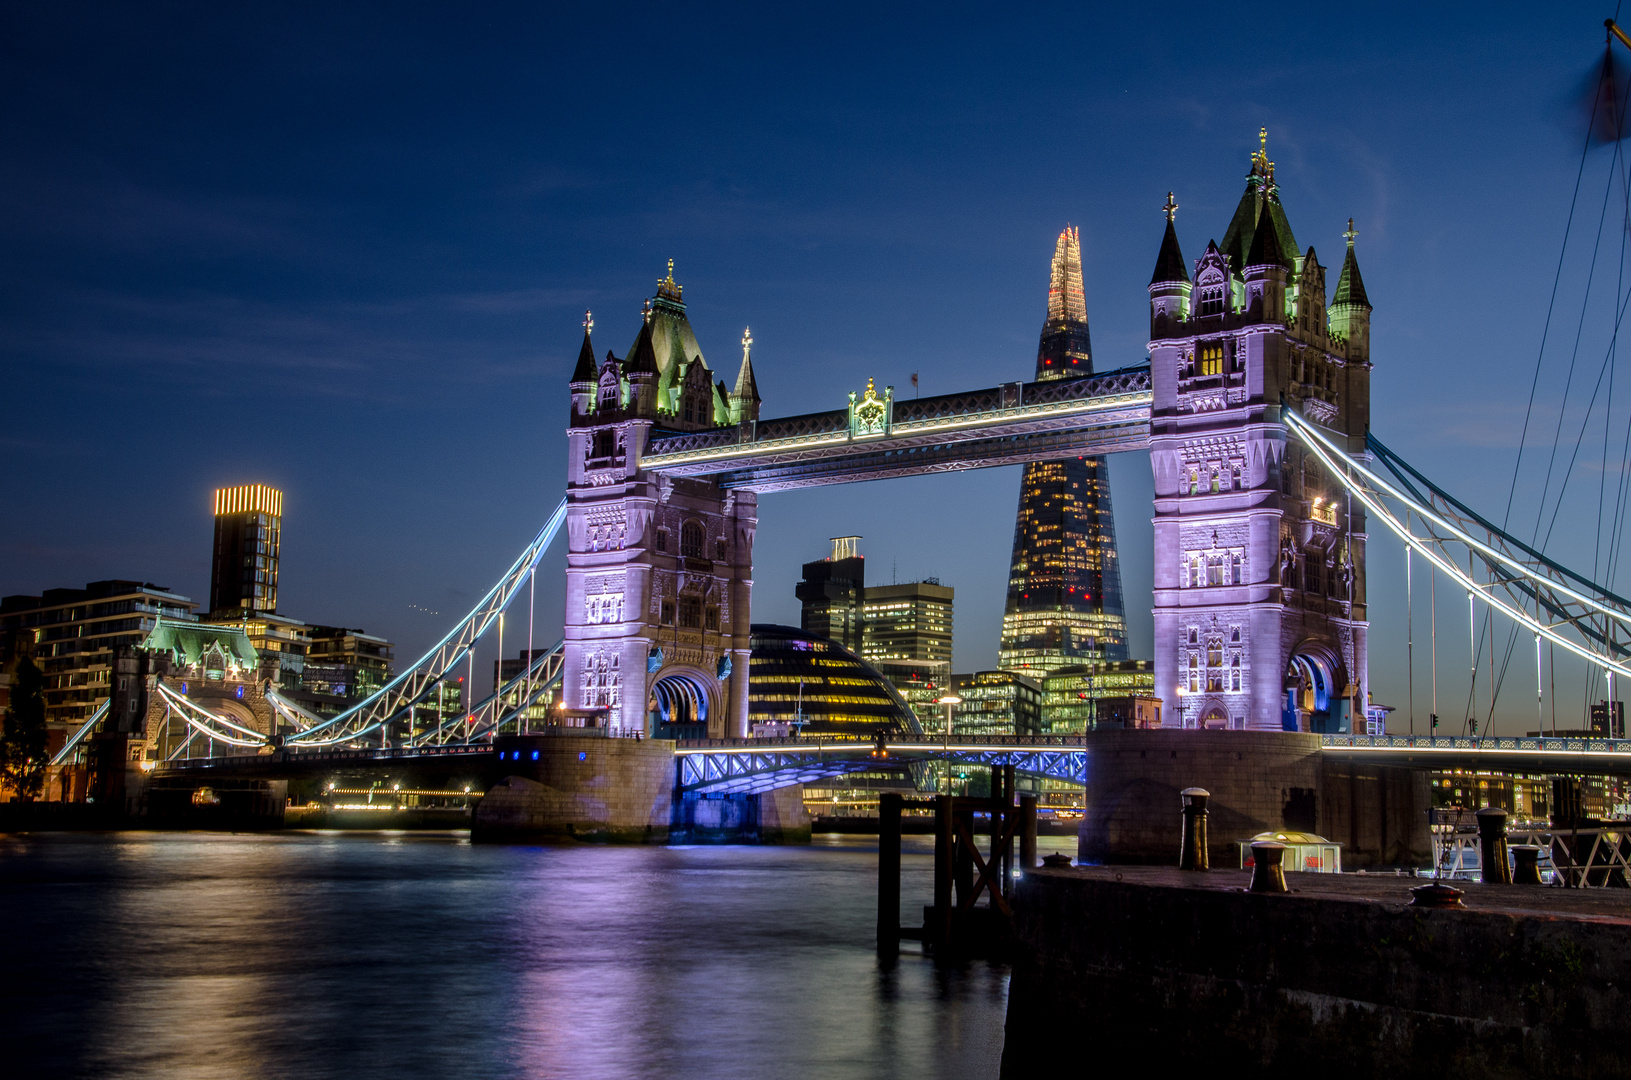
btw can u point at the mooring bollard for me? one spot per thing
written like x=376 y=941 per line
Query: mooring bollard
x=1492 y=841
x=1526 y=864
x=1267 y=873
x=1193 y=854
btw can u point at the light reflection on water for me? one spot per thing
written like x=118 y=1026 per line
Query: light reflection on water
x=413 y=954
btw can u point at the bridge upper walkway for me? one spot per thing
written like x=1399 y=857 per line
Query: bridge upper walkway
x=1001 y=425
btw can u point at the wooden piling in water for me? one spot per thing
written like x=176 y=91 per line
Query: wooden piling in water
x=889 y=807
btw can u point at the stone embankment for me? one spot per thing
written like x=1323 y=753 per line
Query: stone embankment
x=1154 y=968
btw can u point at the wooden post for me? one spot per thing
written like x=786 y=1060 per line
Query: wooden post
x=941 y=930
x=962 y=865
x=1027 y=833
x=889 y=806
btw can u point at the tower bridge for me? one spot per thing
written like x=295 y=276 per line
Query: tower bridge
x=1254 y=408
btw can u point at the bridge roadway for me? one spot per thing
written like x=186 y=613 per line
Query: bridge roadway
x=751 y=766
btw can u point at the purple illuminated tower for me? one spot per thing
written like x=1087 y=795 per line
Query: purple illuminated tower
x=659 y=569
x=1260 y=617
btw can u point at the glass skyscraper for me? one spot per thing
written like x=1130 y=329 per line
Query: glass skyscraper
x=1064 y=583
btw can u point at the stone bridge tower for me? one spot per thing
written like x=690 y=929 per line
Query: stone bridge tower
x=1259 y=595
x=659 y=569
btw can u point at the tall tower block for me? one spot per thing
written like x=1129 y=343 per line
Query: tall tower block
x=1259 y=558
x=1064 y=583
x=248 y=540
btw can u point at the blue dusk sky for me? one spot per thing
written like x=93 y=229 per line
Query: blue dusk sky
x=346 y=249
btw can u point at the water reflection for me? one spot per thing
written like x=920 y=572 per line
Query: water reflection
x=411 y=954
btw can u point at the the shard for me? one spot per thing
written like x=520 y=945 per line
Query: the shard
x=1064 y=583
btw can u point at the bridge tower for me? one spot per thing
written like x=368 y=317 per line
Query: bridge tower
x=1260 y=618
x=659 y=569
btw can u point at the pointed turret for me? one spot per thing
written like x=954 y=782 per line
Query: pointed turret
x=1350 y=307
x=585 y=371
x=1169 y=264
x=640 y=369
x=745 y=398
x=1169 y=285
x=1066 y=348
x=1265 y=272
x=1265 y=249
x=1262 y=193
x=1350 y=286
x=585 y=375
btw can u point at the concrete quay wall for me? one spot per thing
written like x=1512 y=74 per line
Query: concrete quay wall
x=1260 y=781
x=1146 y=968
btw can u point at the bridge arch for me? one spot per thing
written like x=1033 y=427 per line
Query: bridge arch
x=682 y=695
x=1315 y=680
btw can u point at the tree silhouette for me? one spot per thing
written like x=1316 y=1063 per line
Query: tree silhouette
x=22 y=746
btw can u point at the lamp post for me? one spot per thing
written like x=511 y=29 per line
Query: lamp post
x=945 y=740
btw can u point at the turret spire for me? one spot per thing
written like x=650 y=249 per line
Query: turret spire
x=745 y=398
x=1169 y=264
x=1350 y=286
x=585 y=371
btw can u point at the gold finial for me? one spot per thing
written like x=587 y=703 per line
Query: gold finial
x=588 y=320
x=870 y=392
x=747 y=340
x=1263 y=142
x=671 y=271
x=1172 y=207
x=645 y=310
x=1350 y=234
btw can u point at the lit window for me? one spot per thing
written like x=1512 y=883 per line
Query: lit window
x=1210 y=357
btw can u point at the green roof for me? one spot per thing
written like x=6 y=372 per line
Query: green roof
x=190 y=643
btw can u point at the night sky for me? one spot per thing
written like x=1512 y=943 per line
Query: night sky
x=346 y=250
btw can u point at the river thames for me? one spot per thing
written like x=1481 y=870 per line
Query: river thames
x=420 y=954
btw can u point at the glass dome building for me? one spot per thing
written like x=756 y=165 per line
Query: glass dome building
x=817 y=686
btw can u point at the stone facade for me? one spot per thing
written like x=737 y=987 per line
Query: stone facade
x=1259 y=590
x=659 y=569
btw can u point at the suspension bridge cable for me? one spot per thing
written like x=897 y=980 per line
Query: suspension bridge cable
x=1551 y=304
x=1617 y=171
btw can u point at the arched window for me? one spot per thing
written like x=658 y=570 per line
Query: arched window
x=691 y=540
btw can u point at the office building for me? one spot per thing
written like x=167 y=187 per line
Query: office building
x=833 y=595
x=346 y=663
x=909 y=621
x=996 y=703
x=1083 y=697
x=248 y=535
x=72 y=634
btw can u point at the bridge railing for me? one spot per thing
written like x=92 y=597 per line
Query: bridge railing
x=307 y=757
x=808 y=742
x=1479 y=743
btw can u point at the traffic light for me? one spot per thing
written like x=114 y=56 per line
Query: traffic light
x=1435 y=719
